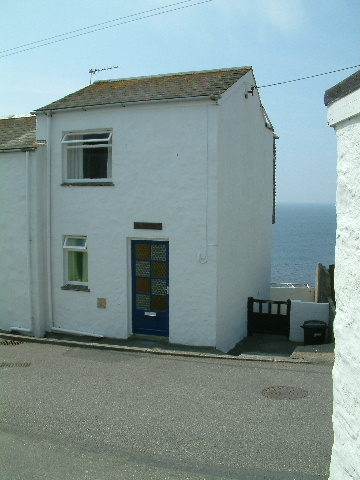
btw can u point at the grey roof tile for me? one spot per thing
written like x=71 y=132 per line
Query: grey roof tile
x=340 y=90
x=17 y=132
x=159 y=87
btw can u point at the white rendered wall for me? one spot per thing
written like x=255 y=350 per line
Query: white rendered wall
x=14 y=280
x=345 y=461
x=305 y=294
x=159 y=171
x=302 y=312
x=22 y=274
x=244 y=215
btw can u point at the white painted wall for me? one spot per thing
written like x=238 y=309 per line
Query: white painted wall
x=244 y=212
x=303 y=311
x=14 y=280
x=159 y=172
x=305 y=294
x=344 y=116
x=22 y=266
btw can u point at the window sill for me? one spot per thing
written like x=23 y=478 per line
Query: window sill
x=87 y=184
x=76 y=288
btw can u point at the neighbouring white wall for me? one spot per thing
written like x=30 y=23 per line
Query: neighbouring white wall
x=14 y=280
x=159 y=171
x=305 y=294
x=303 y=311
x=345 y=464
x=22 y=268
x=244 y=216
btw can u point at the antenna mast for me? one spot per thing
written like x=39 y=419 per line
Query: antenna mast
x=92 y=71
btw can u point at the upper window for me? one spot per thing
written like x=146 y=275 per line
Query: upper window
x=87 y=156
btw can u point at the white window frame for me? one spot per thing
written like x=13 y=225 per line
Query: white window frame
x=67 y=247
x=72 y=144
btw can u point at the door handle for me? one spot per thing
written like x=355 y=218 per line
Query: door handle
x=150 y=314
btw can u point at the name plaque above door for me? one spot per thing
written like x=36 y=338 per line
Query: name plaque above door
x=147 y=226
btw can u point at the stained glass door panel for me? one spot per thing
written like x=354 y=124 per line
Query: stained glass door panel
x=150 y=287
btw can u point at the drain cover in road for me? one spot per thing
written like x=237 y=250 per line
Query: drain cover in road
x=284 y=393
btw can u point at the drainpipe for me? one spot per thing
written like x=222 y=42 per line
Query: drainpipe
x=28 y=212
x=48 y=220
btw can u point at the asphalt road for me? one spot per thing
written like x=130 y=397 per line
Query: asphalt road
x=79 y=414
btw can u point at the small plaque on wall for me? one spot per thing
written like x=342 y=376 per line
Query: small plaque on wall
x=147 y=226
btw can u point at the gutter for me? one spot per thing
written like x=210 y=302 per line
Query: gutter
x=213 y=97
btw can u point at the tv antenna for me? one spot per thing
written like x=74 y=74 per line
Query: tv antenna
x=92 y=71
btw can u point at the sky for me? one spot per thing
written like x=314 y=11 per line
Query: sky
x=281 y=39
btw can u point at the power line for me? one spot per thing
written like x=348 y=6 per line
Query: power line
x=93 y=26
x=305 y=78
x=70 y=35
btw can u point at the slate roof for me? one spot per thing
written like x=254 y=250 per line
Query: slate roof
x=340 y=90
x=17 y=132
x=159 y=87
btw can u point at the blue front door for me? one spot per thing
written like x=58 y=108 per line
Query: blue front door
x=150 y=287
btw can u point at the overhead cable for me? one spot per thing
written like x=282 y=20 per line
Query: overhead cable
x=305 y=78
x=127 y=19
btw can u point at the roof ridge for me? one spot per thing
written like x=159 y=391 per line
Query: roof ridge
x=174 y=74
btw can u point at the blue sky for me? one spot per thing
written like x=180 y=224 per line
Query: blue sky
x=281 y=39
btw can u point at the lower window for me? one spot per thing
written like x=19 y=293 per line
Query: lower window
x=76 y=260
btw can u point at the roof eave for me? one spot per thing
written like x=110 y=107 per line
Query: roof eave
x=124 y=104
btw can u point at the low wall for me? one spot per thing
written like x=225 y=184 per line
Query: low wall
x=288 y=292
x=302 y=311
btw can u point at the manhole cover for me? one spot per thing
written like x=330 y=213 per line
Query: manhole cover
x=15 y=364
x=10 y=342
x=284 y=393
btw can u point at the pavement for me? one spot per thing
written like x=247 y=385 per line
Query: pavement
x=145 y=410
x=270 y=348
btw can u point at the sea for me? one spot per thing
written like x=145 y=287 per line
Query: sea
x=303 y=236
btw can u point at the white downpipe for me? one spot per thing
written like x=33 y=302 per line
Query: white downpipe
x=48 y=220
x=28 y=213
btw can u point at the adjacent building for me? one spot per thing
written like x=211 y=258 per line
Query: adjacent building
x=343 y=102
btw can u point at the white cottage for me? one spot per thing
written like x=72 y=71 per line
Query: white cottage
x=157 y=211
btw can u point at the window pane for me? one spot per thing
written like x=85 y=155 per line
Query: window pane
x=158 y=252
x=158 y=303
x=75 y=242
x=158 y=286
x=142 y=251
x=96 y=137
x=87 y=137
x=143 y=269
x=77 y=266
x=75 y=167
x=143 y=285
x=158 y=269
x=143 y=302
x=95 y=162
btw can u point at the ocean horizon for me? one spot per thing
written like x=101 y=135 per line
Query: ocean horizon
x=304 y=234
